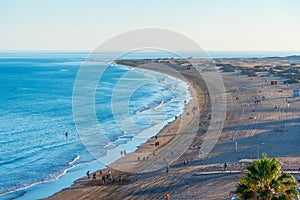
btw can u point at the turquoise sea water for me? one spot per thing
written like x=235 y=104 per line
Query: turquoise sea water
x=36 y=111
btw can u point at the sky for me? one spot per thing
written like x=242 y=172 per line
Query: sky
x=259 y=25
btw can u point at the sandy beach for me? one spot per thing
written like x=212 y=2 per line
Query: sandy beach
x=260 y=118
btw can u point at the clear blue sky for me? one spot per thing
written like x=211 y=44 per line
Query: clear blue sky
x=213 y=24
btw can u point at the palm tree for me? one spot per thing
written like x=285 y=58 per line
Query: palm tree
x=264 y=180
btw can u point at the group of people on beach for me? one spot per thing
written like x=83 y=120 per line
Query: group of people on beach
x=186 y=162
x=108 y=178
x=123 y=152
x=144 y=158
x=89 y=175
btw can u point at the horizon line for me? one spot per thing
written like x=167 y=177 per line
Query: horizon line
x=85 y=50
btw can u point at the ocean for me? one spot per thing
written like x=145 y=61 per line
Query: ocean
x=36 y=157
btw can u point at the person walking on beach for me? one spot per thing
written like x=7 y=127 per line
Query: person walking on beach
x=168 y=168
x=94 y=176
x=120 y=178
x=109 y=177
x=225 y=166
x=121 y=153
x=103 y=179
x=88 y=174
x=167 y=196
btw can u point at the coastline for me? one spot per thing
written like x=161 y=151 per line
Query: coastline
x=165 y=136
x=275 y=129
x=67 y=181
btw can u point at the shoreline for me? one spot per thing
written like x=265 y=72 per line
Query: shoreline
x=204 y=178
x=275 y=129
x=21 y=193
x=164 y=137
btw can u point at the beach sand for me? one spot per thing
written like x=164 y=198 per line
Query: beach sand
x=275 y=131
